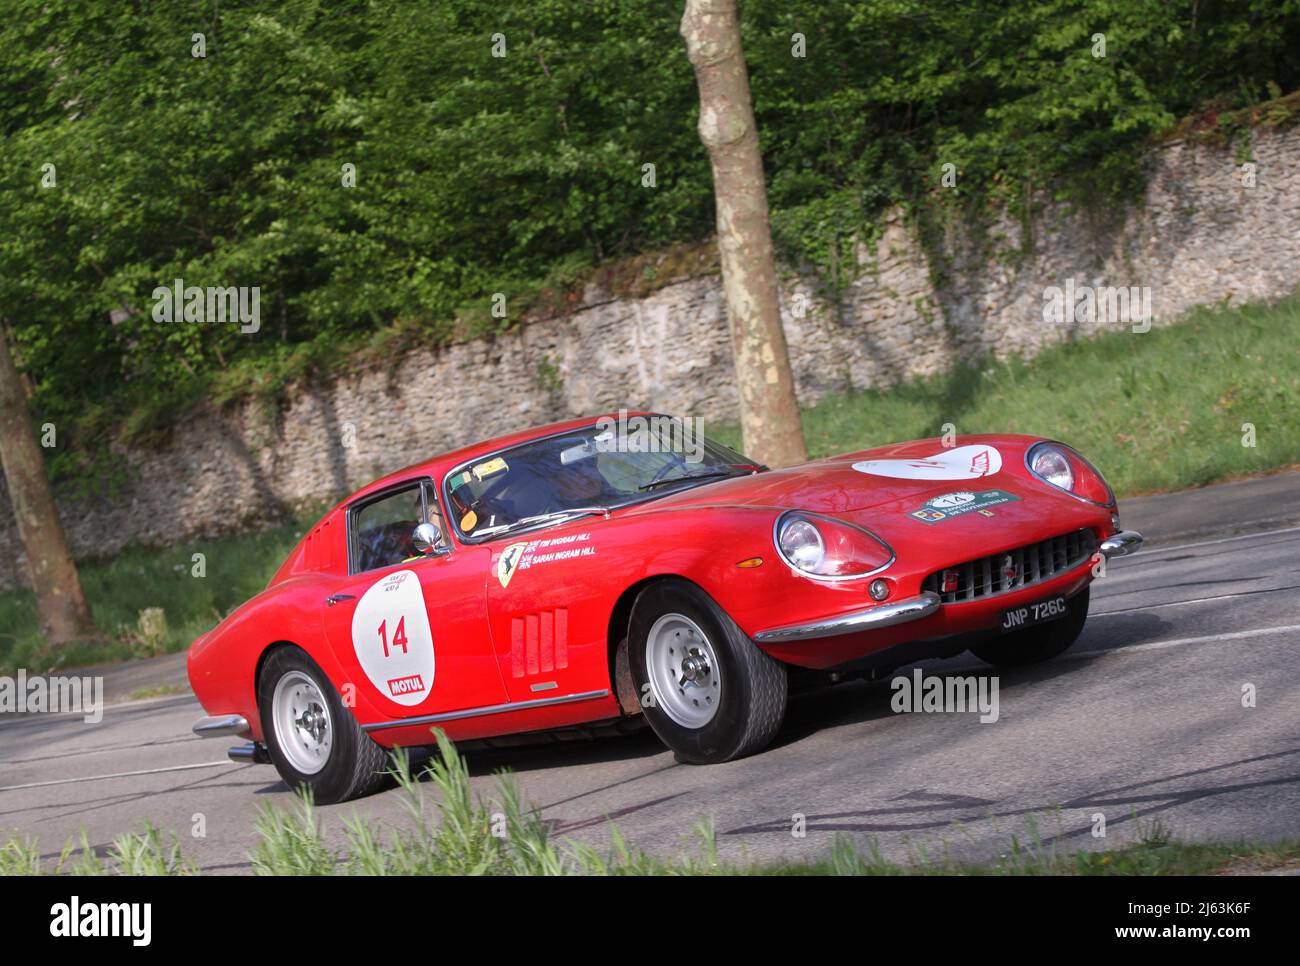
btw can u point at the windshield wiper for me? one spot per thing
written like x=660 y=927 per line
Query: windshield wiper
x=540 y=518
x=707 y=474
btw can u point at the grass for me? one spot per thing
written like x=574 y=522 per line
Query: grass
x=1155 y=411
x=460 y=833
x=163 y=691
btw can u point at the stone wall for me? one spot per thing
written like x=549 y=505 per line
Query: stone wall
x=1198 y=237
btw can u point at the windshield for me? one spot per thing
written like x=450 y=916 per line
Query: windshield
x=588 y=470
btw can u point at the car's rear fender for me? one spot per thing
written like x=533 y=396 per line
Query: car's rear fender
x=223 y=664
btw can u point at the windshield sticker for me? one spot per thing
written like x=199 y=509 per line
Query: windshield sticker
x=489 y=468
x=962 y=463
x=469 y=521
x=521 y=556
x=393 y=640
x=951 y=505
x=459 y=480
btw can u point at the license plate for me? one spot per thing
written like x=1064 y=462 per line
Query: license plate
x=1036 y=613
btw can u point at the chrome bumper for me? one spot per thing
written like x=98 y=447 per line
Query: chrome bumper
x=885 y=615
x=224 y=726
x=1122 y=543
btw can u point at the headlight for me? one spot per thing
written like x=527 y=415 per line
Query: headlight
x=832 y=549
x=1062 y=467
x=802 y=544
x=1051 y=464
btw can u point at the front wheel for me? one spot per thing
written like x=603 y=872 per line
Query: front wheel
x=1035 y=644
x=707 y=691
x=314 y=741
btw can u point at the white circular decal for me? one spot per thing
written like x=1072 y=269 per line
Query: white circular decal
x=391 y=635
x=950 y=500
x=962 y=463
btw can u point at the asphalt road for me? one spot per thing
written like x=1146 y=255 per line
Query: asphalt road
x=1142 y=721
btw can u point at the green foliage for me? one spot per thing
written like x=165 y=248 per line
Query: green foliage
x=148 y=852
x=291 y=843
x=478 y=174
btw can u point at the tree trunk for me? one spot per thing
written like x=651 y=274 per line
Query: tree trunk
x=769 y=412
x=60 y=602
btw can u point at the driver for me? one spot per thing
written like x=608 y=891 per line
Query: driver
x=578 y=484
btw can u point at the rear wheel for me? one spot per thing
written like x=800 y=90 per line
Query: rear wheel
x=1041 y=643
x=707 y=691
x=314 y=741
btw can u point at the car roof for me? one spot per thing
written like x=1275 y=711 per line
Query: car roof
x=438 y=465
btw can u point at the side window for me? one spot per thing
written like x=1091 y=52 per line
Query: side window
x=382 y=529
x=434 y=515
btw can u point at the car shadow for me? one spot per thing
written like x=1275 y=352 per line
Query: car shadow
x=562 y=752
x=862 y=701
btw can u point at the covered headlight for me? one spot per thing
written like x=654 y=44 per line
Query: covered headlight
x=1062 y=467
x=802 y=544
x=819 y=546
x=1050 y=463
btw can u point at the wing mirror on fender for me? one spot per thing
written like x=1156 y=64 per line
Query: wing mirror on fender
x=428 y=539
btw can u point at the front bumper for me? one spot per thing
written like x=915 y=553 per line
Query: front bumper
x=1122 y=543
x=912 y=608
x=874 y=618
x=827 y=642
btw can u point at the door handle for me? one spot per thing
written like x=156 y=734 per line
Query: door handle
x=333 y=599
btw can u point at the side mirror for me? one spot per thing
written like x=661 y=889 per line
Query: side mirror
x=427 y=539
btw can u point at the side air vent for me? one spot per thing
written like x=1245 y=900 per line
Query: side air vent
x=539 y=643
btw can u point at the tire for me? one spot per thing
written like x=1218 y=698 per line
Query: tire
x=1041 y=643
x=735 y=699
x=338 y=761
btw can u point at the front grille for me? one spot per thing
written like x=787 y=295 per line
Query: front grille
x=1010 y=570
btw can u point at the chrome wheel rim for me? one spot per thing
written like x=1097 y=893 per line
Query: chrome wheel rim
x=685 y=677
x=304 y=729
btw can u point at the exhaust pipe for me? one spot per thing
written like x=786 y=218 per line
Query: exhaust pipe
x=253 y=753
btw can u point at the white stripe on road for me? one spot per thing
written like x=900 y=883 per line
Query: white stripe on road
x=1211 y=543
x=1179 y=641
x=1191 y=600
x=121 y=774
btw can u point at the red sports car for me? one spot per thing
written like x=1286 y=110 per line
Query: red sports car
x=604 y=570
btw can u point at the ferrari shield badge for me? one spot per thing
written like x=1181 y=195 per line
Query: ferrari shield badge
x=509 y=562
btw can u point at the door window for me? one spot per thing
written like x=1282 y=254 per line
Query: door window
x=383 y=530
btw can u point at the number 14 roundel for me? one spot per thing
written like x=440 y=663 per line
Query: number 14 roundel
x=392 y=639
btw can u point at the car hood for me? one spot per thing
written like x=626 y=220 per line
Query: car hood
x=904 y=473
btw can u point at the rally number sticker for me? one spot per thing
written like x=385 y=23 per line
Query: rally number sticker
x=951 y=505
x=392 y=639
